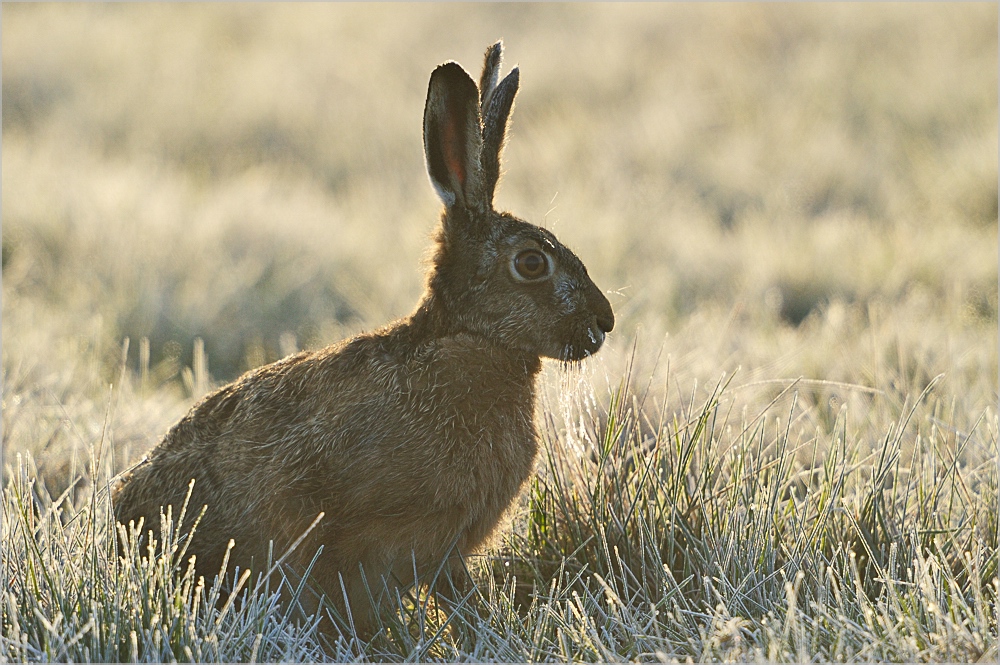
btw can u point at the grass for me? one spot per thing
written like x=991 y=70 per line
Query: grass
x=787 y=449
x=78 y=597
x=712 y=535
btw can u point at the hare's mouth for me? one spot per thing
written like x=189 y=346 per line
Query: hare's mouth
x=584 y=345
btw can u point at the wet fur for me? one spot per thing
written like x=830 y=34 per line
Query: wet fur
x=412 y=440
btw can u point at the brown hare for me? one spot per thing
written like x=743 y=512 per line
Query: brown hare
x=412 y=440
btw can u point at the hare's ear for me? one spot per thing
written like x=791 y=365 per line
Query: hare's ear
x=491 y=74
x=496 y=101
x=452 y=139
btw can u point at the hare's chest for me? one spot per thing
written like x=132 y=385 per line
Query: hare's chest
x=488 y=453
x=484 y=439
x=502 y=456
x=484 y=476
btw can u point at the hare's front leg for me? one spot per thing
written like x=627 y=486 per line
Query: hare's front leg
x=357 y=596
x=453 y=591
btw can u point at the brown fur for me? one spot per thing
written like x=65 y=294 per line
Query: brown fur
x=413 y=440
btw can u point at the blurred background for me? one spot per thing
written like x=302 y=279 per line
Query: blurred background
x=781 y=191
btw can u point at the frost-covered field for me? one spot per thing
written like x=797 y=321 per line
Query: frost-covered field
x=786 y=451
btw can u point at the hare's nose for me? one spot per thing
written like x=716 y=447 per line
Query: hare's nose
x=606 y=322
x=601 y=308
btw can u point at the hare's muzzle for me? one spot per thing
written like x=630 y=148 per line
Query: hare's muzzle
x=601 y=322
x=601 y=308
x=606 y=322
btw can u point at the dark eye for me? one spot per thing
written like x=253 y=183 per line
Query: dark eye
x=531 y=264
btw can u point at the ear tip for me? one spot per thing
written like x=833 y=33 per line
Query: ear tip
x=513 y=80
x=447 y=68
x=491 y=62
x=493 y=57
x=451 y=73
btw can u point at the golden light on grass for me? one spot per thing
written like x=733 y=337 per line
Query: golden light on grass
x=795 y=202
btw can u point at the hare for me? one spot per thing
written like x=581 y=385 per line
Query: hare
x=412 y=440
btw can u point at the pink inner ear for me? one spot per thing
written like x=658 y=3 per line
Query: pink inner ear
x=454 y=152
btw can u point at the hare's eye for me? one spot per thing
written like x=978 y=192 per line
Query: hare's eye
x=531 y=264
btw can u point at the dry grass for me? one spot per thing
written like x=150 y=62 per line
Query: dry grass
x=768 y=193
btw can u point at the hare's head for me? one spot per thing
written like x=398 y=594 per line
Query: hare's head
x=495 y=275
